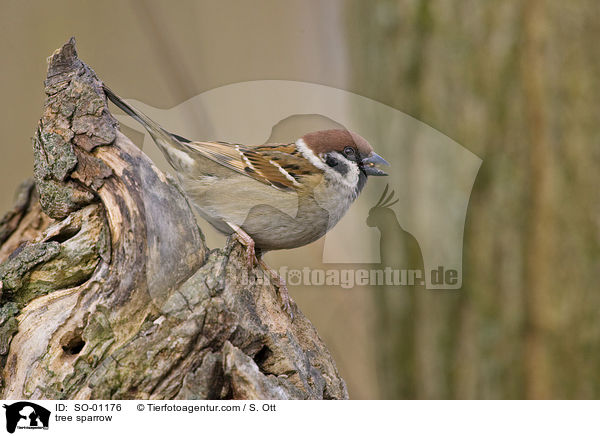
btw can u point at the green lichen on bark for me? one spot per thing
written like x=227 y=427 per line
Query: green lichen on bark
x=59 y=156
x=8 y=325
x=68 y=260
x=75 y=115
x=57 y=198
x=98 y=335
x=98 y=338
x=83 y=241
x=11 y=219
x=15 y=274
x=15 y=271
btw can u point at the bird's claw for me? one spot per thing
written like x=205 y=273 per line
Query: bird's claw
x=252 y=259
x=247 y=241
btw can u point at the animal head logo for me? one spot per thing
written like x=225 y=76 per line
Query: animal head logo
x=398 y=247
x=26 y=415
x=382 y=212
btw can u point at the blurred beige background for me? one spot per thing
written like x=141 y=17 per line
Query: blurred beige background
x=515 y=82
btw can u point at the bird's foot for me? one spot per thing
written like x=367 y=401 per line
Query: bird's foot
x=252 y=259
x=247 y=241
x=284 y=296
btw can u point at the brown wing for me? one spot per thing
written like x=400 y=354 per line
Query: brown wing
x=279 y=165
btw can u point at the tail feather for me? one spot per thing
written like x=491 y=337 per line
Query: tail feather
x=135 y=114
x=169 y=144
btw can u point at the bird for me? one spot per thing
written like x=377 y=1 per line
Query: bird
x=270 y=196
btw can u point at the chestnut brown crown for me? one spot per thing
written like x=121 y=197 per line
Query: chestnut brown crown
x=324 y=141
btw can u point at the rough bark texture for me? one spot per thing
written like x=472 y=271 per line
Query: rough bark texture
x=108 y=290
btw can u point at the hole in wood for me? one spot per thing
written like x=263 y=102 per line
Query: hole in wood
x=74 y=345
x=262 y=356
x=64 y=235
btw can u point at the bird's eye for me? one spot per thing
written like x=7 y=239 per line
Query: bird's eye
x=349 y=151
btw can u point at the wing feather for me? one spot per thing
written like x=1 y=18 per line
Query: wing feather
x=279 y=165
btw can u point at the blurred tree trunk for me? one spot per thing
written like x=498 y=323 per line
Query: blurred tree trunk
x=516 y=83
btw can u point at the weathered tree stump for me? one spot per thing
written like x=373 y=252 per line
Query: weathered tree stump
x=108 y=290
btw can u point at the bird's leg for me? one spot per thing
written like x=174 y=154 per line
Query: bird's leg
x=247 y=241
x=251 y=259
x=286 y=300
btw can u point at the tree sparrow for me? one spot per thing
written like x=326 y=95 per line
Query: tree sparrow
x=273 y=196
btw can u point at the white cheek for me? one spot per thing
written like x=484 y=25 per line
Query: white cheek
x=348 y=180
x=351 y=177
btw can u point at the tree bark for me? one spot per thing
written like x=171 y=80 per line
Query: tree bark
x=108 y=290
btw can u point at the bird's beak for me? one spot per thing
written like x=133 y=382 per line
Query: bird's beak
x=369 y=162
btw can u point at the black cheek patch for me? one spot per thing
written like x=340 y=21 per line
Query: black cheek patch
x=342 y=168
x=331 y=161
